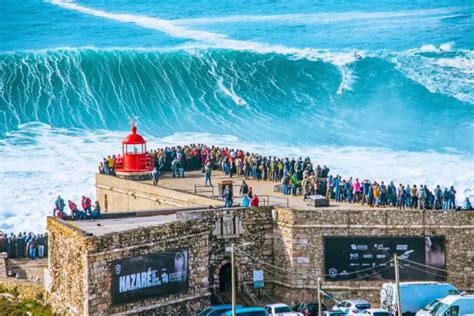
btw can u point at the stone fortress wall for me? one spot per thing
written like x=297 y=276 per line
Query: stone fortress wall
x=81 y=265
x=115 y=194
x=302 y=233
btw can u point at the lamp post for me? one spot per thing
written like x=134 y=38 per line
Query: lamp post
x=234 y=274
x=234 y=290
x=397 y=281
x=320 y=312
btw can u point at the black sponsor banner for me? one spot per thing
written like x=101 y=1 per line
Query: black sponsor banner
x=153 y=275
x=365 y=258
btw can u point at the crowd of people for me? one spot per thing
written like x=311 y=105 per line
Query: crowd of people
x=24 y=245
x=296 y=176
x=374 y=193
x=87 y=211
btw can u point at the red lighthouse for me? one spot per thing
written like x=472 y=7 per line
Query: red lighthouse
x=135 y=162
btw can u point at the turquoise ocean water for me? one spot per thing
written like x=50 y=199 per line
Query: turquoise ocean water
x=380 y=89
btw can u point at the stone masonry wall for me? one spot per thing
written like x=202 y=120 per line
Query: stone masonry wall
x=115 y=194
x=254 y=236
x=3 y=265
x=67 y=262
x=110 y=247
x=307 y=254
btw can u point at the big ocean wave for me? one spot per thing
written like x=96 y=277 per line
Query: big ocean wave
x=405 y=115
x=332 y=95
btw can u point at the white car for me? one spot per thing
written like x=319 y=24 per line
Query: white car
x=280 y=310
x=376 y=312
x=352 y=307
x=455 y=305
x=426 y=311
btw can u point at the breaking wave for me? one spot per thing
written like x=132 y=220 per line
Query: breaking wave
x=225 y=91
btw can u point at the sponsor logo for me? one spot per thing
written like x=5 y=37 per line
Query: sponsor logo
x=118 y=269
x=332 y=272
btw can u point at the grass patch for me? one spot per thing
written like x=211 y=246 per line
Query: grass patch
x=23 y=307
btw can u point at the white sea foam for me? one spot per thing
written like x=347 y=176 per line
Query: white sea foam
x=319 y=17
x=445 y=47
x=428 y=48
x=39 y=162
x=439 y=72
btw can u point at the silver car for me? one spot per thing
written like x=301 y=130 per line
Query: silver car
x=376 y=312
x=352 y=307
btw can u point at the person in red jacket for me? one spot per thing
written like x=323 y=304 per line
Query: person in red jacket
x=74 y=210
x=254 y=201
x=86 y=205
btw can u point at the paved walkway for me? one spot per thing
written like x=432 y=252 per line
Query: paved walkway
x=105 y=226
x=28 y=269
x=193 y=182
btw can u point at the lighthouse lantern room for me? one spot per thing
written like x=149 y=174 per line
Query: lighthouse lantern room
x=135 y=161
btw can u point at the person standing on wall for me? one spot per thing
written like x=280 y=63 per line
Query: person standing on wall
x=246 y=201
x=86 y=205
x=244 y=188
x=228 y=197
x=208 y=173
x=155 y=176
x=254 y=201
x=59 y=206
x=96 y=211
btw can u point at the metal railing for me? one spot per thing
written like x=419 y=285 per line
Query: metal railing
x=272 y=200
x=204 y=188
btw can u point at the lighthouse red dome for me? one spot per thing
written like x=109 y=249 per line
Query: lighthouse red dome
x=134 y=138
x=135 y=159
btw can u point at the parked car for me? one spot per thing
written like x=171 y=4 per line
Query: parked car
x=308 y=309
x=334 y=313
x=426 y=311
x=217 y=310
x=455 y=305
x=248 y=311
x=352 y=307
x=376 y=312
x=413 y=295
x=280 y=310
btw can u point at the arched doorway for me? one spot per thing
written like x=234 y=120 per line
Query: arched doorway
x=225 y=278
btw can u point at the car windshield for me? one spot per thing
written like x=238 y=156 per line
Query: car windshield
x=431 y=305
x=362 y=306
x=282 y=309
x=439 y=309
x=381 y=314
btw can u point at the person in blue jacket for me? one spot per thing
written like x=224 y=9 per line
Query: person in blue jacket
x=246 y=201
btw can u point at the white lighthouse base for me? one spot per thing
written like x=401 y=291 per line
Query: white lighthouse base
x=136 y=175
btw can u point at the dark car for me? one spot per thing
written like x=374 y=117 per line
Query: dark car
x=308 y=309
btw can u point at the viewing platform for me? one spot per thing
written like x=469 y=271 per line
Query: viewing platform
x=191 y=191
